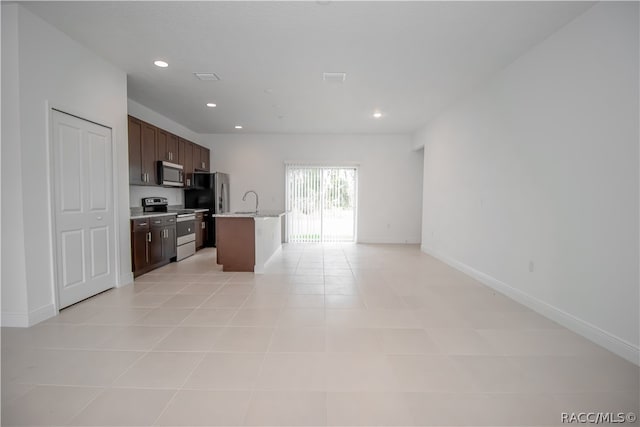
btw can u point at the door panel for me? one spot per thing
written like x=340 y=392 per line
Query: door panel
x=100 y=261
x=73 y=272
x=83 y=208
x=99 y=161
x=70 y=156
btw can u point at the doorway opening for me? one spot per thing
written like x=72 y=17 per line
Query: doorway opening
x=321 y=203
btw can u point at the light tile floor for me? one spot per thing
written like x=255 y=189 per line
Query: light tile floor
x=331 y=335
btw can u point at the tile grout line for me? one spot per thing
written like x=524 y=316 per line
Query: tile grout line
x=179 y=389
x=253 y=389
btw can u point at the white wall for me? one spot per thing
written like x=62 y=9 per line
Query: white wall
x=14 y=296
x=175 y=196
x=52 y=71
x=142 y=112
x=390 y=175
x=541 y=166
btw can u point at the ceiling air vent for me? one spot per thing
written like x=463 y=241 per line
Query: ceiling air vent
x=207 y=76
x=334 y=77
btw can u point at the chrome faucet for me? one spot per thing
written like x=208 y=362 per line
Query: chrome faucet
x=245 y=197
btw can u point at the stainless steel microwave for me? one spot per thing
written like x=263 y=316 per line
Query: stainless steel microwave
x=170 y=174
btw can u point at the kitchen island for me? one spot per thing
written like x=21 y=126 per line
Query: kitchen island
x=245 y=241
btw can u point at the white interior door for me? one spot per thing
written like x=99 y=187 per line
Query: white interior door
x=83 y=203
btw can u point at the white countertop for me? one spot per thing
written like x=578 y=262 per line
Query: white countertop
x=259 y=214
x=136 y=213
x=150 y=214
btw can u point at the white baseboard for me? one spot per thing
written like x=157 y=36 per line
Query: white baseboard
x=593 y=333
x=14 y=319
x=259 y=269
x=24 y=320
x=42 y=313
x=125 y=279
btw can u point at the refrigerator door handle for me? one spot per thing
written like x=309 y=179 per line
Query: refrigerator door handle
x=221 y=199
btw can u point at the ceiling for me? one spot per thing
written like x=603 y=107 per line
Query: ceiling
x=409 y=60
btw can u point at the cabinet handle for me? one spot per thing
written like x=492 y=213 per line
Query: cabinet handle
x=188 y=182
x=142 y=224
x=203 y=225
x=149 y=237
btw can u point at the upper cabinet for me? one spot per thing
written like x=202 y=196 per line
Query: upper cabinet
x=136 y=176
x=204 y=157
x=201 y=158
x=186 y=160
x=148 y=144
x=142 y=152
x=167 y=146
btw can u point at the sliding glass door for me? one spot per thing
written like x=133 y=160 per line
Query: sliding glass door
x=321 y=203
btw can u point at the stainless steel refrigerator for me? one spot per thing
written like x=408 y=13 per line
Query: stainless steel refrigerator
x=209 y=191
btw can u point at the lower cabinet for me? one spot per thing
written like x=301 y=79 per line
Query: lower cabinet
x=201 y=230
x=153 y=243
x=169 y=246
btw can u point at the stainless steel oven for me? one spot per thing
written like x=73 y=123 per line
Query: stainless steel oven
x=186 y=235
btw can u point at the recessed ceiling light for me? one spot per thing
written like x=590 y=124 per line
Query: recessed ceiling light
x=238 y=127
x=211 y=104
x=161 y=64
x=377 y=114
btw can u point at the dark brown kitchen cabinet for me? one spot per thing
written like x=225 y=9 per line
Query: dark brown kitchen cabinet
x=201 y=158
x=142 y=152
x=148 y=144
x=153 y=243
x=136 y=174
x=167 y=147
x=205 y=158
x=186 y=160
x=169 y=242
x=148 y=154
x=200 y=230
x=139 y=246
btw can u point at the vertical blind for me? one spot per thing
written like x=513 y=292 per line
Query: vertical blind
x=321 y=203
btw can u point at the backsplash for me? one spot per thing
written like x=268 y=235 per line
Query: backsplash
x=175 y=196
